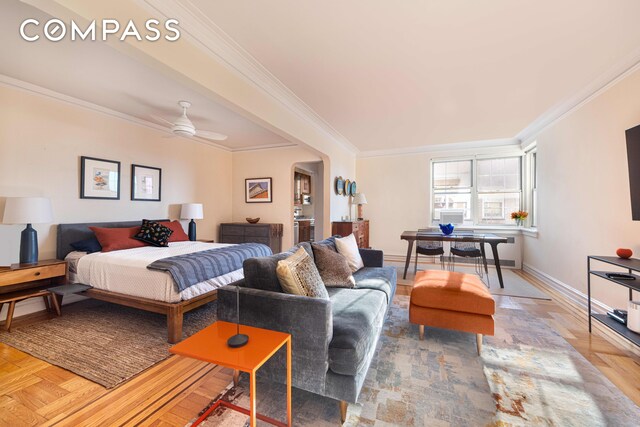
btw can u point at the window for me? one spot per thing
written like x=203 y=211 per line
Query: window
x=488 y=190
x=531 y=158
x=452 y=182
x=499 y=188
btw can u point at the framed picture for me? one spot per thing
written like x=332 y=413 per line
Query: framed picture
x=305 y=184
x=99 y=178
x=146 y=183
x=257 y=190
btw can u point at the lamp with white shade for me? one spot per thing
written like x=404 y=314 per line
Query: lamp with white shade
x=28 y=210
x=359 y=199
x=191 y=211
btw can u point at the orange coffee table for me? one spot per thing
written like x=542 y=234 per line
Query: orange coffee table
x=210 y=345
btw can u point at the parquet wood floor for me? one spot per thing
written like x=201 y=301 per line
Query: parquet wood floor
x=33 y=392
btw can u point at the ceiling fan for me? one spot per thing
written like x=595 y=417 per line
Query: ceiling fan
x=182 y=126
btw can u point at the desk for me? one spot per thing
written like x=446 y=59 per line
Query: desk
x=491 y=239
x=210 y=345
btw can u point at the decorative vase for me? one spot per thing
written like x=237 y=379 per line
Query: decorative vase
x=624 y=253
x=446 y=229
x=519 y=222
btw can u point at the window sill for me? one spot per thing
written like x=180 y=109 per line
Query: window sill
x=502 y=229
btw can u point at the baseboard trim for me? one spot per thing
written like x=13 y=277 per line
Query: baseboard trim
x=569 y=292
x=576 y=302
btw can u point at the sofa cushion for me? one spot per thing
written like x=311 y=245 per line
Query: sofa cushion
x=298 y=275
x=380 y=278
x=333 y=267
x=260 y=272
x=348 y=247
x=358 y=315
x=329 y=241
x=306 y=246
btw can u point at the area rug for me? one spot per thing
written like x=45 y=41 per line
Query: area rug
x=105 y=343
x=514 y=284
x=527 y=375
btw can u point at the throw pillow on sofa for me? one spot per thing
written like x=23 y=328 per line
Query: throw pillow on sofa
x=333 y=267
x=348 y=247
x=298 y=275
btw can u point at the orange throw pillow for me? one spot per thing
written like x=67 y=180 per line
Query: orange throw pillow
x=178 y=234
x=114 y=239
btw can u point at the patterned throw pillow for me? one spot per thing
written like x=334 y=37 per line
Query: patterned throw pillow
x=153 y=233
x=298 y=275
x=333 y=267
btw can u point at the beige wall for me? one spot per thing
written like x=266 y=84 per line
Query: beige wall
x=41 y=141
x=279 y=165
x=583 y=185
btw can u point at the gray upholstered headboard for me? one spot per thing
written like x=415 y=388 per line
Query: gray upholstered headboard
x=69 y=233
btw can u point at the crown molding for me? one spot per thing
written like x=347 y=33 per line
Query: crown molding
x=455 y=146
x=599 y=85
x=197 y=27
x=41 y=91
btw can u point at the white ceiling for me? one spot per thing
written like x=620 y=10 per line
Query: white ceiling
x=98 y=74
x=402 y=74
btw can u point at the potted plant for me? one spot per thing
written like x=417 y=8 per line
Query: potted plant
x=520 y=217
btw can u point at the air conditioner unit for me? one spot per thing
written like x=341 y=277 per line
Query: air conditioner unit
x=452 y=216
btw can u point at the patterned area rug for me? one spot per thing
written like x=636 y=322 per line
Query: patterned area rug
x=105 y=343
x=527 y=375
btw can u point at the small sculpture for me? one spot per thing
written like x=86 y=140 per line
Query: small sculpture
x=446 y=229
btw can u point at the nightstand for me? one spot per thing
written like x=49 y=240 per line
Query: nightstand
x=23 y=281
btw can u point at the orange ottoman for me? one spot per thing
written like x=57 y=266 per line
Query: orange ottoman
x=450 y=300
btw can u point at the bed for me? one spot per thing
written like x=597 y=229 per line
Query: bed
x=121 y=277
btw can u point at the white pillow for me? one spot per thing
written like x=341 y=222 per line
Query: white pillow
x=348 y=247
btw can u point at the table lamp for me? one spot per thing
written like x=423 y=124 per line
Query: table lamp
x=191 y=211
x=359 y=199
x=28 y=210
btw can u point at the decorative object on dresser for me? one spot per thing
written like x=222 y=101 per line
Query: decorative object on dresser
x=360 y=229
x=20 y=282
x=28 y=210
x=253 y=220
x=99 y=178
x=191 y=211
x=258 y=190
x=146 y=183
x=240 y=232
x=359 y=199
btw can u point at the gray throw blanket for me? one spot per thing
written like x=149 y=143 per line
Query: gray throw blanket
x=189 y=269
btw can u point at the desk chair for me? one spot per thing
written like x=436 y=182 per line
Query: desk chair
x=431 y=248
x=468 y=250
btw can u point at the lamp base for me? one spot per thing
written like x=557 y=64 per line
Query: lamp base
x=192 y=231
x=29 y=246
x=238 y=340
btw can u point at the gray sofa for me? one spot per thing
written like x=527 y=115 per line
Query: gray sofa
x=333 y=341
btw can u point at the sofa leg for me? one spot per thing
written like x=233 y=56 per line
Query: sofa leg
x=421 y=332
x=343 y=410
x=479 y=343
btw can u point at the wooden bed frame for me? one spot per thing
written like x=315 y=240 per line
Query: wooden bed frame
x=69 y=233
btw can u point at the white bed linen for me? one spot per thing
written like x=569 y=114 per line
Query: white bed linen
x=126 y=272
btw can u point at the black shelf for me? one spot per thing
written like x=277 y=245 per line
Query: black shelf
x=629 y=264
x=618 y=327
x=631 y=284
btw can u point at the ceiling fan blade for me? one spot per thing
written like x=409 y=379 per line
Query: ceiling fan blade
x=161 y=120
x=214 y=136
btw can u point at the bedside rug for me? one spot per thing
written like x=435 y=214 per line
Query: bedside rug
x=527 y=375
x=105 y=343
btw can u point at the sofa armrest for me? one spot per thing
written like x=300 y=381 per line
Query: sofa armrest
x=372 y=257
x=308 y=320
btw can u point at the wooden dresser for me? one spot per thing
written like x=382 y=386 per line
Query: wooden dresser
x=242 y=232
x=360 y=230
